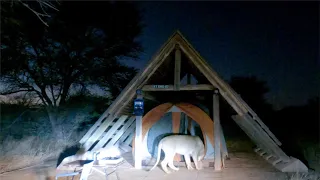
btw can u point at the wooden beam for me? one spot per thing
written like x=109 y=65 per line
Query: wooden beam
x=138 y=141
x=118 y=135
x=149 y=97
x=209 y=73
x=188 y=87
x=98 y=132
x=94 y=127
x=177 y=68
x=110 y=132
x=129 y=131
x=141 y=78
x=128 y=141
x=188 y=119
x=226 y=91
x=217 y=134
x=253 y=130
x=176 y=117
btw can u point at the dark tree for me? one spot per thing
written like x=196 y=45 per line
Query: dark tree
x=252 y=91
x=298 y=128
x=81 y=48
x=40 y=8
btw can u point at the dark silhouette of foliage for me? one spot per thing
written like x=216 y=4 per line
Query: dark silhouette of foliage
x=298 y=127
x=252 y=91
x=295 y=126
x=40 y=8
x=303 y=121
x=81 y=47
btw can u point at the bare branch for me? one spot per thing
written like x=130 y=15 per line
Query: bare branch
x=36 y=13
x=45 y=96
x=52 y=94
x=38 y=101
x=16 y=91
x=48 y=4
x=42 y=3
x=42 y=99
x=60 y=92
x=43 y=9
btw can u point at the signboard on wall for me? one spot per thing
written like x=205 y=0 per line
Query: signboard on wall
x=160 y=86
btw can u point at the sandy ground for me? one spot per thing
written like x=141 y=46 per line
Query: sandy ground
x=246 y=166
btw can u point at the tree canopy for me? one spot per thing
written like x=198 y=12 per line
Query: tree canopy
x=80 y=48
x=253 y=91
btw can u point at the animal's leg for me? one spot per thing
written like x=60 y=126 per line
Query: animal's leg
x=164 y=164
x=195 y=160
x=171 y=164
x=188 y=162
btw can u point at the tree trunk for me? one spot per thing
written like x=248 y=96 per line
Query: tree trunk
x=53 y=118
x=64 y=94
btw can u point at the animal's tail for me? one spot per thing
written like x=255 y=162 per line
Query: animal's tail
x=158 y=156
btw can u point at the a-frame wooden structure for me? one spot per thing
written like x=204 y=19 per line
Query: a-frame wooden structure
x=116 y=123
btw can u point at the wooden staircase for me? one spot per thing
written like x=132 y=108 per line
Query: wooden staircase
x=266 y=147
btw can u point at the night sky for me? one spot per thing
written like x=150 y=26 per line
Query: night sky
x=277 y=42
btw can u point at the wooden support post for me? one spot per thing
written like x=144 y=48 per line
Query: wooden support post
x=217 y=134
x=177 y=68
x=187 y=118
x=189 y=124
x=224 y=149
x=176 y=117
x=186 y=121
x=138 y=141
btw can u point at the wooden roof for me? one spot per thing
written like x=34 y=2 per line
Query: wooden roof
x=162 y=62
x=160 y=70
x=161 y=67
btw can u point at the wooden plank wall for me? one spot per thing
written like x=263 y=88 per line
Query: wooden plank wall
x=110 y=132
x=121 y=132
x=98 y=132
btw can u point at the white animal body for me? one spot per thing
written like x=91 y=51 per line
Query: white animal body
x=185 y=145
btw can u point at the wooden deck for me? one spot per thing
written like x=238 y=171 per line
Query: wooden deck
x=246 y=166
x=241 y=166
